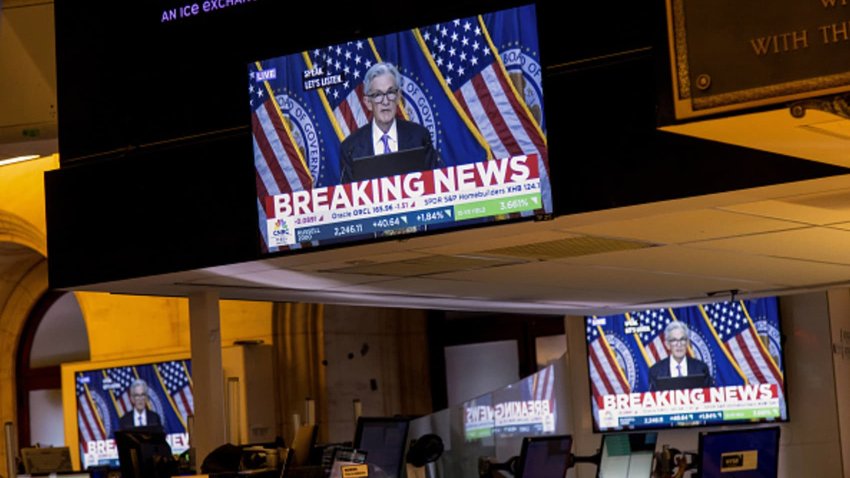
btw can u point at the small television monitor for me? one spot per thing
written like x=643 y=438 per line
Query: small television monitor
x=144 y=453
x=752 y=453
x=104 y=404
x=384 y=440
x=547 y=456
x=469 y=97
x=627 y=455
x=718 y=363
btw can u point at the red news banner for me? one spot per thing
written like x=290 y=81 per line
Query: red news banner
x=456 y=193
x=704 y=405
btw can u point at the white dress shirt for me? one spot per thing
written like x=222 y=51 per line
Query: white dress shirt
x=682 y=370
x=378 y=144
x=139 y=418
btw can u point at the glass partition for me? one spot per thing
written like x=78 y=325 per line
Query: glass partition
x=493 y=425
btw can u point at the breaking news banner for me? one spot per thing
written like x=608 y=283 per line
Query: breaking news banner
x=439 y=196
x=731 y=354
x=713 y=405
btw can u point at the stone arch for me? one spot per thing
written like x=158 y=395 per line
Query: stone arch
x=23 y=281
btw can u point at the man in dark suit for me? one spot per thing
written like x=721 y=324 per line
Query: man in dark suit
x=385 y=133
x=140 y=416
x=678 y=363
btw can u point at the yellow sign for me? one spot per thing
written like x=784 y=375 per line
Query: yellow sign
x=739 y=461
x=355 y=471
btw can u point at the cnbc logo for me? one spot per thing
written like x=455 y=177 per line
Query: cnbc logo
x=280 y=228
x=280 y=233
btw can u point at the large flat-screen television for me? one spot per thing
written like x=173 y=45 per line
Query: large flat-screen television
x=750 y=453
x=98 y=401
x=711 y=364
x=469 y=138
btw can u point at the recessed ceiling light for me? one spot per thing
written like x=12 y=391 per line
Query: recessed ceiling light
x=18 y=159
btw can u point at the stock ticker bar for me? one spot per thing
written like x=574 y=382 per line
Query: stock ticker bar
x=416 y=218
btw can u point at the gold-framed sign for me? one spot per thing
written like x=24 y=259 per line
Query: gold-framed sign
x=728 y=55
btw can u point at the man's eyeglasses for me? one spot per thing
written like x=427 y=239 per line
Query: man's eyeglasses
x=378 y=96
x=677 y=341
x=138 y=395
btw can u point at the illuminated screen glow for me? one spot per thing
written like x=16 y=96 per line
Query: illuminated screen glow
x=734 y=367
x=473 y=83
x=103 y=397
x=525 y=408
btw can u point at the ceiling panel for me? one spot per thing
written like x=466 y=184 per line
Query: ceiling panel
x=773 y=272
x=652 y=285
x=826 y=207
x=813 y=244
x=686 y=226
x=811 y=137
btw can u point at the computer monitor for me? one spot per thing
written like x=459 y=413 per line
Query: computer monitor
x=384 y=440
x=144 y=453
x=627 y=455
x=752 y=453
x=546 y=456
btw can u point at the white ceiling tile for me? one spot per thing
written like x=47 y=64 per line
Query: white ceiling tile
x=811 y=244
x=686 y=226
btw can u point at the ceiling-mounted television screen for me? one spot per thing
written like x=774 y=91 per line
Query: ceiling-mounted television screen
x=440 y=126
x=711 y=364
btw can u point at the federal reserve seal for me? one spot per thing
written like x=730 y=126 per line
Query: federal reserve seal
x=417 y=106
x=304 y=132
x=103 y=411
x=624 y=358
x=771 y=338
x=525 y=73
x=702 y=351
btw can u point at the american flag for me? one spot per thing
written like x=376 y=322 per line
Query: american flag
x=280 y=165
x=542 y=383
x=463 y=52
x=652 y=342
x=175 y=377
x=90 y=424
x=351 y=60
x=738 y=334
x=123 y=376
x=606 y=374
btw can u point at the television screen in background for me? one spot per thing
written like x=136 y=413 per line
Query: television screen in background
x=526 y=408
x=103 y=397
x=739 y=342
x=474 y=83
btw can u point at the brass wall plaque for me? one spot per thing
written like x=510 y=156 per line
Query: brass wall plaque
x=734 y=54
